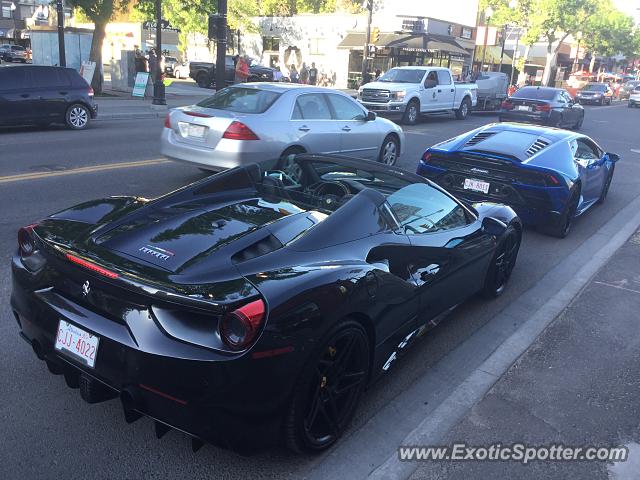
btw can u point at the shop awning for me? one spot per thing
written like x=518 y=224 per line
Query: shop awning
x=406 y=42
x=493 y=55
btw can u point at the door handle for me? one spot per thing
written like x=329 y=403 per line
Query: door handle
x=452 y=90
x=304 y=128
x=25 y=95
x=439 y=91
x=63 y=93
x=346 y=129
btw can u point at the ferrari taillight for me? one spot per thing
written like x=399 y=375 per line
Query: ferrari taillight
x=26 y=243
x=239 y=328
x=426 y=156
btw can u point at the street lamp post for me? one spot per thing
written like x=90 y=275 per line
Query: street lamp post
x=504 y=41
x=221 y=44
x=158 y=86
x=365 y=52
x=487 y=18
x=513 y=60
x=61 y=50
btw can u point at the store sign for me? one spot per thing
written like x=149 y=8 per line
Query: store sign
x=413 y=25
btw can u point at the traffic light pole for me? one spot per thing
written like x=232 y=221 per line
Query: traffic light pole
x=365 y=52
x=221 y=44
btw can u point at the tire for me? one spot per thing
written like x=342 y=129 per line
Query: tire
x=601 y=102
x=77 y=117
x=605 y=187
x=389 y=150
x=562 y=228
x=465 y=108
x=202 y=79
x=578 y=125
x=324 y=399
x=502 y=263
x=411 y=113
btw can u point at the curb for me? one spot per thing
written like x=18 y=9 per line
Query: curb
x=436 y=425
x=130 y=116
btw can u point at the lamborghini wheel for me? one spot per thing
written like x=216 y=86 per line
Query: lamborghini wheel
x=328 y=390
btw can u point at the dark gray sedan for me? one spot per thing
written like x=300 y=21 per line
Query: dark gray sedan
x=547 y=106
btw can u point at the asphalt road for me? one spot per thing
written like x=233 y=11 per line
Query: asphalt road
x=49 y=432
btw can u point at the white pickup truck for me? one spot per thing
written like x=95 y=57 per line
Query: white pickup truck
x=406 y=92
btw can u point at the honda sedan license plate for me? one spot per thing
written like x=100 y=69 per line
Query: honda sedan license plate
x=476 y=185
x=78 y=344
x=196 y=131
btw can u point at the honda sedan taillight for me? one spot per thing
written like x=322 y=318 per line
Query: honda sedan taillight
x=239 y=131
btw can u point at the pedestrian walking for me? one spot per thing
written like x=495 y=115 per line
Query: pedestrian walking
x=304 y=74
x=313 y=74
x=242 y=69
x=293 y=74
x=277 y=75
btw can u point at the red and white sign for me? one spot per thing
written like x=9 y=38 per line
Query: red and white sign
x=78 y=344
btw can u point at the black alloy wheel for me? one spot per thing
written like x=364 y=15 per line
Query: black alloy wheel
x=563 y=226
x=502 y=263
x=329 y=390
x=607 y=184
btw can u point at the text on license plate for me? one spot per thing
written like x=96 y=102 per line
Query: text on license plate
x=80 y=345
x=476 y=185
x=523 y=108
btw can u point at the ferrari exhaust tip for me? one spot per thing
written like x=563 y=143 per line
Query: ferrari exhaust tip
x=129 y=404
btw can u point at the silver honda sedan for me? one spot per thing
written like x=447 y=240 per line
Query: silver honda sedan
x=251 y=122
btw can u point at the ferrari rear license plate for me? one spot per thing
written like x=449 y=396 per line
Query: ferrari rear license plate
x=476 y=185
x=77 y=344
x=196 y=131
x=524 y=108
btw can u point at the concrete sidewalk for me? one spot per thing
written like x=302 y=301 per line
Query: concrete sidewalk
x=578 y=384
x=117 y=108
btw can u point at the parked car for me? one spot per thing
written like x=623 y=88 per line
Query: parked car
x=204 y=73
x=170 y=65
x=542 y=105
x=250 y=122
x=13 y=53
x=492 y=90
x=181 y=70
x=625 y=91
x=634 y=98
x=548 y=176
x=599 y=93
x=254 y=306
x=43 y=95
x=407 y=92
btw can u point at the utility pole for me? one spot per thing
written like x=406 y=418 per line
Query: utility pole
x=505 y=34
x=61 y=53
x=365 y=52
x=221 y=44
x=158 y=86
x=513 y=60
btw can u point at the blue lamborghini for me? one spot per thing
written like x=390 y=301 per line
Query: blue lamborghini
x=547 y=175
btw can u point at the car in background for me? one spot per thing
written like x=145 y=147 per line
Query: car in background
x=553 y=107
x=548 y=176
x=634 y=97
x=170 y=65
x=42 y=95
x=250 y=122
x=13 y=53
x=181 y=70
x=627 y=88
x=204 y=73
x=255 y=306
x=408 y=92
x=598 y=93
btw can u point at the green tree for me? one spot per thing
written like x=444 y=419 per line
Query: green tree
x=100 y=12
x=609 y=33
x=551 y=21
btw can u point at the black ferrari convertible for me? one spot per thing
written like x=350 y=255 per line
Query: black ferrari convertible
x=256 y=304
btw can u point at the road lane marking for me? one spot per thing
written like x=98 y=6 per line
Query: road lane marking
x=618 y=287
x=635 y=150
x=76 y=171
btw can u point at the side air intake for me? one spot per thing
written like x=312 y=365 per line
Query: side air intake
x=537 y=146
x=479 y=137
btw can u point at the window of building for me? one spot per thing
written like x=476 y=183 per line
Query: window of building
x=6 y=10
x=466 y=33
x=317 y=46
x=270 y=44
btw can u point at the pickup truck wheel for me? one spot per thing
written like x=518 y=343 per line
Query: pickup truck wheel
x=410 y=116
x=465 y=108
x=202 y=80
